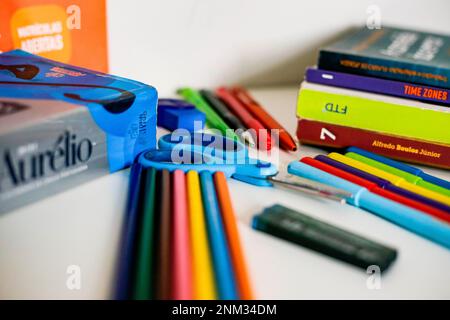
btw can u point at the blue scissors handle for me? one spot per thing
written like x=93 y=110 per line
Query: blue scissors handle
x=213 y=145
x=165 y=159
x=206 y=152
x=255 y=174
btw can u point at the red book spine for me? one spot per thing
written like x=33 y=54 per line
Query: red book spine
x=400 y=148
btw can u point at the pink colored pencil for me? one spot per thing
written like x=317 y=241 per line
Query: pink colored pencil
x=182 y=273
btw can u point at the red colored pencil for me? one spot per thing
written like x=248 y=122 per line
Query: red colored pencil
x=257 y=111
x=373 y=187
x=181 y=259
x=249 y=121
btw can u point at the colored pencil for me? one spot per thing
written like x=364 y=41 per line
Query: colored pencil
x=213 y=120
x=402 y=166
x=232 y=233
x=163 y=285
x=383 y=183
x=373 y=187
x=181 y=249
x=127 y=246
x=398 y=181
x=399 y=173
x=406 y=217
x=221 y=108
x=144 y=273
x=202 y=268
x=249 y=121
x=257 y=111
x=220 y=252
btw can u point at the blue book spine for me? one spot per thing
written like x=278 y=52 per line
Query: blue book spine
x=385 y=68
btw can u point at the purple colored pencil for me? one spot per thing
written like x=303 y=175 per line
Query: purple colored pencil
x=382 y=183
x=377 y=85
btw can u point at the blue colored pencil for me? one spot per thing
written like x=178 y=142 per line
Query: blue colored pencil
x=125 y=268
x=408 y=218
x=223 y=268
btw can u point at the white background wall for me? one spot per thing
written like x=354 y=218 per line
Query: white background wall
x=254 y=42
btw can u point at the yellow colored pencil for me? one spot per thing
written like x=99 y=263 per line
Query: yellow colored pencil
x=203 y=274
x=396 y=180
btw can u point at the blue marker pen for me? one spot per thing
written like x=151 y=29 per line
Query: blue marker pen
x=401 y=166
x=408 y=218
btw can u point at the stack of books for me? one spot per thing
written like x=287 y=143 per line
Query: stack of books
x=386 y=91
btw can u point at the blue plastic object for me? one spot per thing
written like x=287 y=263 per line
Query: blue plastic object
x=408 y=218
x=123 y=109
x=178 y=114
x=208 y=153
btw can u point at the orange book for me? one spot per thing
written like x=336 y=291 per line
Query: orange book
x=69 y=31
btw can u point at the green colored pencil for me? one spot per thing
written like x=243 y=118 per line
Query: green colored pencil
x=212 y=118
x=143 y=277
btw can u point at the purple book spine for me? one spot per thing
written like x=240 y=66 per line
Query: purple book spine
x=376 y=85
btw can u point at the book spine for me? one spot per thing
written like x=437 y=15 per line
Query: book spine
x=404 y=149
x=357 y=112
x=377 y=85
x=385 y=68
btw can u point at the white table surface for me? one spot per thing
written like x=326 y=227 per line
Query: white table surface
x=81 y=227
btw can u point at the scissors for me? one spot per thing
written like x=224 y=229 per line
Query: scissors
x=207 y=152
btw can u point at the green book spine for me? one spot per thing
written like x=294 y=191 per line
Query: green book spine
x=376 y=115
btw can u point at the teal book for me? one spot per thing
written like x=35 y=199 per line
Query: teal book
x=391 y=53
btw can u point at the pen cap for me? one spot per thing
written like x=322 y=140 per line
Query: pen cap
x=406 y=176
x=401 y=166
x=385 y=160
x=409 y=218
x=440 y=182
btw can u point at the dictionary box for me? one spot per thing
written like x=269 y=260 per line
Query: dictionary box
x=61 y=126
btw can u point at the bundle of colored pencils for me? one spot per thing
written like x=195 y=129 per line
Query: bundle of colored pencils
x=234 y=112
x=180 y=238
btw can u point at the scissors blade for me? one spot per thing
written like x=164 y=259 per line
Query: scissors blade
x=310 y=187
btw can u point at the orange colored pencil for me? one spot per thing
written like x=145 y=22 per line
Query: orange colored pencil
x=234 y=243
